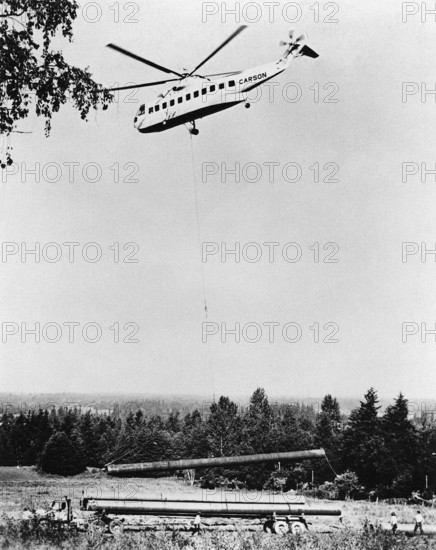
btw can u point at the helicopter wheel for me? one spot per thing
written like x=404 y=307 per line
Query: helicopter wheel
x=247 y=105
x=193 y=130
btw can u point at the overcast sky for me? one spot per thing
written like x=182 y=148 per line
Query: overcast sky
x=368 y=133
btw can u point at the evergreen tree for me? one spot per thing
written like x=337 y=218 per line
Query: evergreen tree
x=173 y=423
x=194 y=433
x=362 y=444
x=90 y=440
x=401 y=449
x=258 y=423
x=223 y=428
x=328 y=429
x=7 y=453
x=295 y=428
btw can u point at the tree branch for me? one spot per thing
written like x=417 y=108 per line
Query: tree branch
x=12 y=14
x=16 y=21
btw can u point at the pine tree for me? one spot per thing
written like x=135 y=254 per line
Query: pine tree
x=363 y=445
x=401 y=448
x=328 y=429
x=223 y=428
x=194 y=433
x=257 y=423
x=90 y=439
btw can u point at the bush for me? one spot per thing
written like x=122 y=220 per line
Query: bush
x=276 y=482
x=61 y=456
x=327 y=490
x=347 y=485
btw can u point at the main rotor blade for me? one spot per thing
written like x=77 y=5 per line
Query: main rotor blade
x=231 y=37
x=222 y=74
x=143 y=85
x=142 y=59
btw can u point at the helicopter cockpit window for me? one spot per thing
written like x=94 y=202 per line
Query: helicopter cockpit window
x=231 y=84
x=164 y=105
x=179 y=99
x=172 y=103
x=157 y=108
x=196 y=93
x=188 y=97
x=203 y=91
x=213 y=88
x=141 y=110
x=221 y=86
x=150 y=110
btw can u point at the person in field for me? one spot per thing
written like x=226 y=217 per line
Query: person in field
x=394 y=522
x=197 y=525
x=302 y=518
x=419 y=520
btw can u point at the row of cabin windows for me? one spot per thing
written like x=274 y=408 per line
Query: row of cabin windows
x=196 y=94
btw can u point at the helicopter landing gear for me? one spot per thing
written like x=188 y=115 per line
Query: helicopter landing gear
x=193 y=131
x=247 y=105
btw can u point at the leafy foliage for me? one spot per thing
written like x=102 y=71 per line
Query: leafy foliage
x=62 y=456
x=346 y=484
x=33 y=73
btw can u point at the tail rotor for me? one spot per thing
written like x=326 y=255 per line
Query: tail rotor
x=293 y=42
x=297 y=46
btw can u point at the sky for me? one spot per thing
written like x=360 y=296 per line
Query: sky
x=347 y=114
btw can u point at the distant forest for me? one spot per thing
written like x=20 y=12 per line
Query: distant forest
x=384 y=455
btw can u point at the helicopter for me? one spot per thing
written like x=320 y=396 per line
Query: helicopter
x=196 y=96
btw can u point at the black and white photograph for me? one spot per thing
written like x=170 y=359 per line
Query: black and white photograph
x=217 y=275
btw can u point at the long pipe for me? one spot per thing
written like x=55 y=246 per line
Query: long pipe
x=211 y=508
x=185 y=464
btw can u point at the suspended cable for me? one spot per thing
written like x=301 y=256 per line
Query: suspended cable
x=198 y=226
x=203 y=277
x=331 y=467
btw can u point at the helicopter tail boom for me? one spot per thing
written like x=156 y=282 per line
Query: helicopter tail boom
x=305 y=50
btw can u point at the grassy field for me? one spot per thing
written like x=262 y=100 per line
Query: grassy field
x=26 y=487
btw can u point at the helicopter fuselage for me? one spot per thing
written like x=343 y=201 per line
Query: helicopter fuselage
x=197 y=97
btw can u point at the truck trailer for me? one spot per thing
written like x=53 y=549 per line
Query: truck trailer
x=277 y=517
